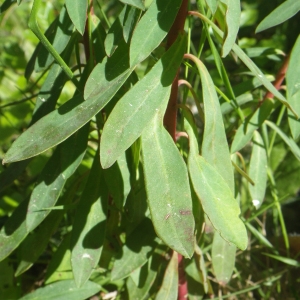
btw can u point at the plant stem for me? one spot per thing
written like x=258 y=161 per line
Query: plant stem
x=170 y=124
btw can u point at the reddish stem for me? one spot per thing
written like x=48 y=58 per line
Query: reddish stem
x=170 y=124
x=279 y=78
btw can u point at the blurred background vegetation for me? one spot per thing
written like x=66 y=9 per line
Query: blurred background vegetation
x=256 y=276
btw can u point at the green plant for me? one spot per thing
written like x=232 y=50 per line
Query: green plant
x=123 y=181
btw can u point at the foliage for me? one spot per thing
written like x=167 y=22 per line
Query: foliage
x=115 y=184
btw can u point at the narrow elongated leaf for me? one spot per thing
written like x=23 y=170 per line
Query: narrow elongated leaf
x=156 y=23
x=215 y=195
x=258 y=170
x=214 y=146
x=89 y=225
x=169 y=287
x=213 y=5
x=168 y=189
x=139 y=105
x=114 y=36
x=35 y=243
x=250 y=124
x=252 y=67
x=117 y=179
x=282 y=13
x=223 y=265
x=14 y=231
x=293 y=71
x=6 y=5
x=136 y=251
x=136 y=3
x=77 y=10
x=131 y=17
x=58 y=37
x=293 y=87
x=63 y=122
x=293 y=122
x=232 y=17
x=59 y=168
x=288 y=140
x=64 y=290
x=59 y=268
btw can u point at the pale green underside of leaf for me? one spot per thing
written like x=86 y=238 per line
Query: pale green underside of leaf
x=258 y=170
x=136 y=3
x=216 y=197
x=213 y=5
x=77 y=10
x=214 y=146
x=223 y=259
x=282 y=13
x=169 y=287
x=152 y=28
x=64 y=290
x=232 y=16
x=168 y=189
x=139 y=105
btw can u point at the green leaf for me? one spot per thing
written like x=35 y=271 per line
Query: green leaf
x=216 y=196
x=14 y=231
x=59 y=37
x=223 y=265
x=232 y=17
x=77 y=10
x=115 y=34
x=139 y=105
x=168 y=189
x=293 y=71
x=131 y=17
x=245 y=131
x=59 y=268
x=156 y=23
x=62 y=164
x=293 y=87
x=135 y=253
x=169 y=286
x=136 y=3
x=117 y=179
x=287 y=139
x=279 y=15
x=287 y=261
x=146 y=279
x=213 y=5
x=64 y=290
x=200 y=263
x=214 y=146
x=251 y=66
x=68 y=118
x=6 y=5
x=89 y=225
x=258 y=170
x=261 y=238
